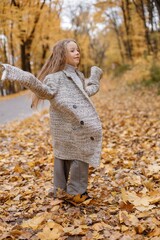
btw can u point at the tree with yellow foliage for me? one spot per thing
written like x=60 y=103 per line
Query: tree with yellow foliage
x=26 y=23
x=28 y=29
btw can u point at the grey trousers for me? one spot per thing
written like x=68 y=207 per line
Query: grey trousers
x=71 y=176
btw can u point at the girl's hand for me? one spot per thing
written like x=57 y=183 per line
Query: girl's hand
x=96 y=72
x=14 y=74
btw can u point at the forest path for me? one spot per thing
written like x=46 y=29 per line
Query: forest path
x=17 y=108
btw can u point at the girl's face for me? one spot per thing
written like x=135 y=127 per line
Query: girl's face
x=73 y=54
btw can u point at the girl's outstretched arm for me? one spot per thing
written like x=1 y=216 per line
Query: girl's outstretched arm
x=45 y=90
x=93 y=82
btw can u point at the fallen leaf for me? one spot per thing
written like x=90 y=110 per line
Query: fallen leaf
x=51 y=231
x=35 y=222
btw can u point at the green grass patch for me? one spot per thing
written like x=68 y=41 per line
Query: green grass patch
x=154 y=79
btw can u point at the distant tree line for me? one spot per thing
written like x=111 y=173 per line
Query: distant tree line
x=110 y=33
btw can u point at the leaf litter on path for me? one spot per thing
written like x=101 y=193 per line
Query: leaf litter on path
x=125 y=188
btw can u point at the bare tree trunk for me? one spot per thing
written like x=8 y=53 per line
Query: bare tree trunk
x=11 y=45
x=1 y=89
x=45 y=49
x=157 y=3
x=5 y=51
x=113 y=19
x=25 y=46
x=141 y=11
x=150 y=7
x=4 y=43
x=125 y=6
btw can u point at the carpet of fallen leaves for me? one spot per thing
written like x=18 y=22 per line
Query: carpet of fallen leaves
x=125 y=188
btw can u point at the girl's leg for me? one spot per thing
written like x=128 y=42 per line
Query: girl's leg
x=78 y=177
x=61 y=173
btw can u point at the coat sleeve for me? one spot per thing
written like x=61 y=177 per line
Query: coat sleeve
x=45 y=90
x=93 y=82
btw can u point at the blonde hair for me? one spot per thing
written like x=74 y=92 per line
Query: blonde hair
x=56 y=62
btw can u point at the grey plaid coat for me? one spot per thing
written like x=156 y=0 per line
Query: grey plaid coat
x=75 y=125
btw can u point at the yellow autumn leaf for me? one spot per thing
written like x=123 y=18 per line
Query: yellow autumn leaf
x=155 y=232
x=35 y=222
x=51 y=231
x=152 y=169
x=81 y=230
x=133 y=219
x=124 y=195
x=18 y=169
x=100 y=226
x=141 y=228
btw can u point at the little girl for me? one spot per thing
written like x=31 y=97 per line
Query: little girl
x=75 y=126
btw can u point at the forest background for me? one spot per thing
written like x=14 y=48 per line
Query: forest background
x=122 y=37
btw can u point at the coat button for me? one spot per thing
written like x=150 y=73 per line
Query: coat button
x=81 y=122
x=74 y=106
x=92 y=138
